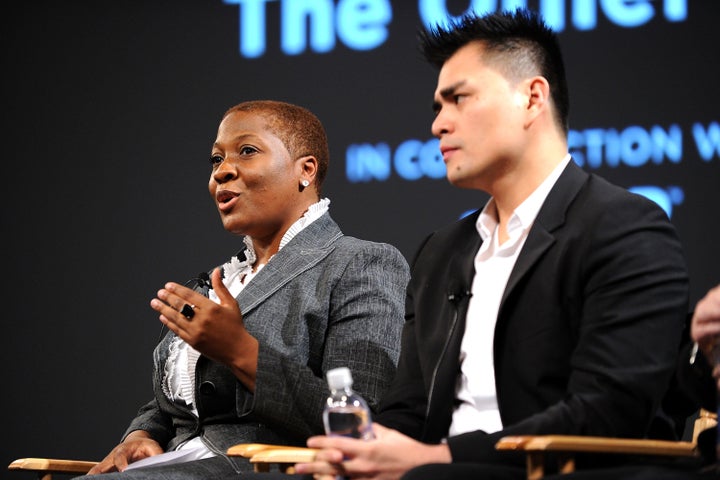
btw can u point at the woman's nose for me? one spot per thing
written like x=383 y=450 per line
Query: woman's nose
x=224 y=172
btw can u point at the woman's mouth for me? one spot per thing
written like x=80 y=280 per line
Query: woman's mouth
x=226 y=200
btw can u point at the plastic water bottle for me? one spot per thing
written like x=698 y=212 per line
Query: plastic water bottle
x=346 y=413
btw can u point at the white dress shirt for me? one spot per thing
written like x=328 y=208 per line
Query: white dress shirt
x=475 y=391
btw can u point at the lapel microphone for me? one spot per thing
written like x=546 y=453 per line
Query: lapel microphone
x=202 y=283
x=455 y=293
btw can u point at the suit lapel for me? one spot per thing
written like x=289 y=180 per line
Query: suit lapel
x=464 y=260
x=305 y=250
x=462 y=271
x=550 y=217
x=465 y=242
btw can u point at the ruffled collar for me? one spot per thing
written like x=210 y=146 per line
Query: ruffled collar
x=245 y=259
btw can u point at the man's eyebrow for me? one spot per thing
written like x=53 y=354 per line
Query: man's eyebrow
x=447 y=93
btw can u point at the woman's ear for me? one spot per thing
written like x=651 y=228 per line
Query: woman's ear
x=308 y=166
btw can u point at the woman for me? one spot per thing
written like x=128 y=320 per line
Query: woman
x=247 y=362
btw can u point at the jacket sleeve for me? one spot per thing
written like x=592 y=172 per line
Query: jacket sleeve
x=403 y=407
x=152 y=420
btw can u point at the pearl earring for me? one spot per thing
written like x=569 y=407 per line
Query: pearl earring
x=304 y=183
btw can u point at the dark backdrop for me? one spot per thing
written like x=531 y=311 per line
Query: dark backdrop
x=110 y=109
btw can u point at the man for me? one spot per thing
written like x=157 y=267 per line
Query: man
x=558 y=308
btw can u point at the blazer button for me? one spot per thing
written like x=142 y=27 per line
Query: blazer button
x=207 y=388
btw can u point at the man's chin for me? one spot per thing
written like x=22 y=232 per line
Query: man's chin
x=457 y=179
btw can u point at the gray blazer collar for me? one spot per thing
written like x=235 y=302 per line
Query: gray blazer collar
x=306 y=249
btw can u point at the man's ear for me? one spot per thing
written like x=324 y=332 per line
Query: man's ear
x=536 y=92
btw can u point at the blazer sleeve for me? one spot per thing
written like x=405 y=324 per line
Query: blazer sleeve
x=403 y=407
x=363 y=326
x=152 y=420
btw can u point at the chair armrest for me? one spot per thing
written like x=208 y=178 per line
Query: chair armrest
x=285 y=455
x=573 y=443
x=705 y=420
x=51 y=465
x=249 y=449
x=566 y=446
x=263 y=455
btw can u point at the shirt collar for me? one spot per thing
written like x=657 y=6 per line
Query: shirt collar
x=247 y=257
x=524 y=215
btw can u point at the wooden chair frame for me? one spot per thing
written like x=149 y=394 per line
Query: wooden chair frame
x=264 y=456
x=566 y=446
x=46 y=467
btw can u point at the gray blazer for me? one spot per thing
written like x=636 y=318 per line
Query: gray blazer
x=324 y=301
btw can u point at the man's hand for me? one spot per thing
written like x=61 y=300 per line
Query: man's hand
x=705 y=329
x=387 y=457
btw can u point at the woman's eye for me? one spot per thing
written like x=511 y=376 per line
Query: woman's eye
x=247 y=150
x=215 y=159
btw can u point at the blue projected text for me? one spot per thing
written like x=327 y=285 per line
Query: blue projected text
x=315 y=25
x=583 y=13
x=633 y=146
x=359 y=24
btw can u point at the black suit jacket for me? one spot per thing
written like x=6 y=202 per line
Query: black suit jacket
x=587 y=333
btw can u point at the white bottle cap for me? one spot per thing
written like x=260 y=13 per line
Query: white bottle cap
x=339 y=378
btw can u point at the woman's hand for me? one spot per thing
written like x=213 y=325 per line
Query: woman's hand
x=136 y=446
x=214 y=329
